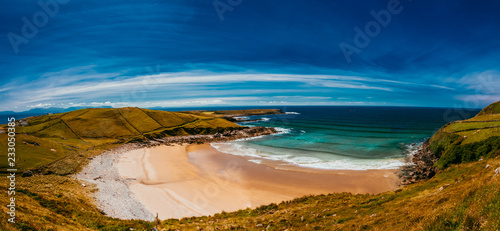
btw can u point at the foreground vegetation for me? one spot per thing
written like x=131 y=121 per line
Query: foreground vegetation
x=465 y=195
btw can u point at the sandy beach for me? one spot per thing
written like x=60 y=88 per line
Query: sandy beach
x=195 y=180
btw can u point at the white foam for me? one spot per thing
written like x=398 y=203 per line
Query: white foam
x=282 y=130
x=265 y=119
x=341 y=163
x=236 y=148
x=354 y=165
x=412 y=149
x=292 y=113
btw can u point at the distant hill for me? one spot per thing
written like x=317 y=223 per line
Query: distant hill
x=40 y=111
x=232 y=113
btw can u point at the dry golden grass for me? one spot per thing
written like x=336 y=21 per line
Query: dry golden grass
x=137 y=118
x=170 y=119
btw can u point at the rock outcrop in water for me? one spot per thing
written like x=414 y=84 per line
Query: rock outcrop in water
x=246 y=132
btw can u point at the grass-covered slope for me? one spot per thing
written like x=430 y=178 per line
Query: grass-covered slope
x=33 y=152
x=64 y=137
x=468 y=140
x=491 y=109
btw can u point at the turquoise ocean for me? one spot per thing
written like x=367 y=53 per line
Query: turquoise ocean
x=340 y=137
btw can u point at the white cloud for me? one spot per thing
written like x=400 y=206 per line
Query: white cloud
x=145 y=83
x=41 y=105
x=162 y=103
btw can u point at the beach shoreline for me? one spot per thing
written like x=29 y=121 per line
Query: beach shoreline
x=198 y=180
x=113 y=196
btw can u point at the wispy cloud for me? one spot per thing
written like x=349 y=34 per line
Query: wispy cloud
x=179 y=87
x=483 y=88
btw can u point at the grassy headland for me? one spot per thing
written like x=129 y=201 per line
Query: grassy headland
x=468 y=140
x=56 y=143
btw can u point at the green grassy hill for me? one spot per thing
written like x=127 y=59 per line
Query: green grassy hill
x=491 y=109
x=468 y=140
x=92 y=125
x=65 y=137
x=463 y=196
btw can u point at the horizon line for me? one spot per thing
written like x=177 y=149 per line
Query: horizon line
x=267 y=106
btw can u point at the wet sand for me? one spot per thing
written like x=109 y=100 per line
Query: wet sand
x=196 y=180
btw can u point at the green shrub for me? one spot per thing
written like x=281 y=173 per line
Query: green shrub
x=457 y=153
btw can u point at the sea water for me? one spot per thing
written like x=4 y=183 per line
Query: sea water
x=340 y=137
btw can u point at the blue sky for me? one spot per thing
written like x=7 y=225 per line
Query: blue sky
x=63 y=53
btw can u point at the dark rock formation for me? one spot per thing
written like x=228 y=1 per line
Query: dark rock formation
x=247 y=132
x=421 y=166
